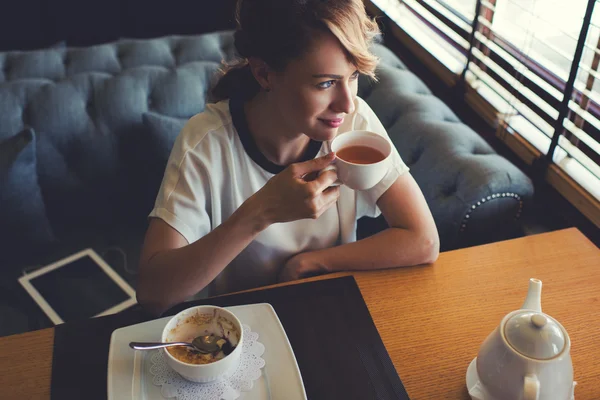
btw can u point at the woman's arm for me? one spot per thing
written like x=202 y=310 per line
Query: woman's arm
x=171 y=270
x=412 y=238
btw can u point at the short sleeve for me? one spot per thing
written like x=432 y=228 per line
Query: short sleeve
x=182 y=200
x=367 y=199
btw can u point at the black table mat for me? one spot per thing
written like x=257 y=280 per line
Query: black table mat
x=336 y=344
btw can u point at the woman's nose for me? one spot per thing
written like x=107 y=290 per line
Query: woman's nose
x=344 y=100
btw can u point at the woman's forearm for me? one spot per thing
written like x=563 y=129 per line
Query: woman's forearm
x=393 y=247
x=173 y=276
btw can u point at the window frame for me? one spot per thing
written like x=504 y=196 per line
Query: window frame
x=552 y=173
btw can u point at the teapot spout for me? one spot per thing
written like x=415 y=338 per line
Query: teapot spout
x=533 y=301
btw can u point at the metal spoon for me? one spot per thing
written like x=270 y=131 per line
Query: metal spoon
x=203 y=344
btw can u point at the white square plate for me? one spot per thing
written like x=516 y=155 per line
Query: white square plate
x=128 y=369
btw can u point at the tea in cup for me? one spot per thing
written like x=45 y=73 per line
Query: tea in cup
x=362 y=159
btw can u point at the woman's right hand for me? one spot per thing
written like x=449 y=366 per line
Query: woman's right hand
x=288 y=196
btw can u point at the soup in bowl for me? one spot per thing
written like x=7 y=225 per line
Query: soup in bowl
x=203 y=321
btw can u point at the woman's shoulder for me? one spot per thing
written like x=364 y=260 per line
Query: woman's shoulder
x=216 y=116
x=215 y=119
x=205 y=130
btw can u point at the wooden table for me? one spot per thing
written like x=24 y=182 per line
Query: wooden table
x=432 y=319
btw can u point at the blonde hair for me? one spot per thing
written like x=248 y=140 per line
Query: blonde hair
x=278 y=31
x=356 y=32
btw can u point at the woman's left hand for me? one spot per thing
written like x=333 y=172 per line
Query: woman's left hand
x=301 y=266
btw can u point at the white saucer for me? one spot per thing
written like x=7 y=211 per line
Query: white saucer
x=472 y=377
x=473 y=380
x=129 y=376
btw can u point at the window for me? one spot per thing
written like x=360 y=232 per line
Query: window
x=530 y=67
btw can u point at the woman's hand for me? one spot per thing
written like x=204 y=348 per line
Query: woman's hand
x=300 y=266
x=288 y=196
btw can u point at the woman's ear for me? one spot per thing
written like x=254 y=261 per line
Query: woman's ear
x=262 y=73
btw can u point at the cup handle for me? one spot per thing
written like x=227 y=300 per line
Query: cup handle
x=531 y=387
x=331 y=167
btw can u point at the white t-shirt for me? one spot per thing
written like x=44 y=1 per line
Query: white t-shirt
x=215 y=166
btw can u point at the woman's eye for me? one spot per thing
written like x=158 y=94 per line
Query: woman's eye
x=326 y=85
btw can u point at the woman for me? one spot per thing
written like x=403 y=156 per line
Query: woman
x=242 y=203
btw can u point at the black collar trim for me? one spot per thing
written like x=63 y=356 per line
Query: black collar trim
x=236 y=107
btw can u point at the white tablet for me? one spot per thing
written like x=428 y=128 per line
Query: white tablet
x=79 y=286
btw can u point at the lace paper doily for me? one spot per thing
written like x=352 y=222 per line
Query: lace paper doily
x=225 y=388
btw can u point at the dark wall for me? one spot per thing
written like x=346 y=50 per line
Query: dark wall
x=32 y=24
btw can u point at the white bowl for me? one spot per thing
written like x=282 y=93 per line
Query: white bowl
x=215 y=320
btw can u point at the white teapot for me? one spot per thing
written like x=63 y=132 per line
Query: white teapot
x=526 y=358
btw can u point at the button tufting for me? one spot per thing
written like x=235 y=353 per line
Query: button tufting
x=415 y=156
x=6 y=68
x=449 y=191
x=24 y=116
x=477 y=151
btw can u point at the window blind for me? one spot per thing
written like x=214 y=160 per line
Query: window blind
x=529 y=67
x=541 y=57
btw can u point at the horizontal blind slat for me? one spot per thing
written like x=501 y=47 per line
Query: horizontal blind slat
x=515 y=66
x=422 y=12
x=408 y=21
x=582 y=136
x=490 y=25
x=570 y=150
x=537 y=16
x=588 y=70
x=591 y=94
x=488 y=5
x=521 y=92
x=443 y=9
x=533 y=116
x=585 y=114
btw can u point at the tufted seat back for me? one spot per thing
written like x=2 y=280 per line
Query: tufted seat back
x=99 y=166
x=85 y=106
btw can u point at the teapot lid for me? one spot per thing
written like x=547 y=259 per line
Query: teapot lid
x=535 y=335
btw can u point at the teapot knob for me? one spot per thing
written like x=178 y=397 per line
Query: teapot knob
x=539 y=320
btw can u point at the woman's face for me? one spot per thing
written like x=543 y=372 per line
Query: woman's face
x=316 y=92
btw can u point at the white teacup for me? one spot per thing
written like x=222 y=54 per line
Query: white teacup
x=363 y=167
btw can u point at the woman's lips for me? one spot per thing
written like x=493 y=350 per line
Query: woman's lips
x=333 y=123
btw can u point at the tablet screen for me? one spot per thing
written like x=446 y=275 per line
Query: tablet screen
x=79 y=289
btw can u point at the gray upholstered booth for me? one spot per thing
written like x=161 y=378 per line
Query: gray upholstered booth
x=102 y=120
